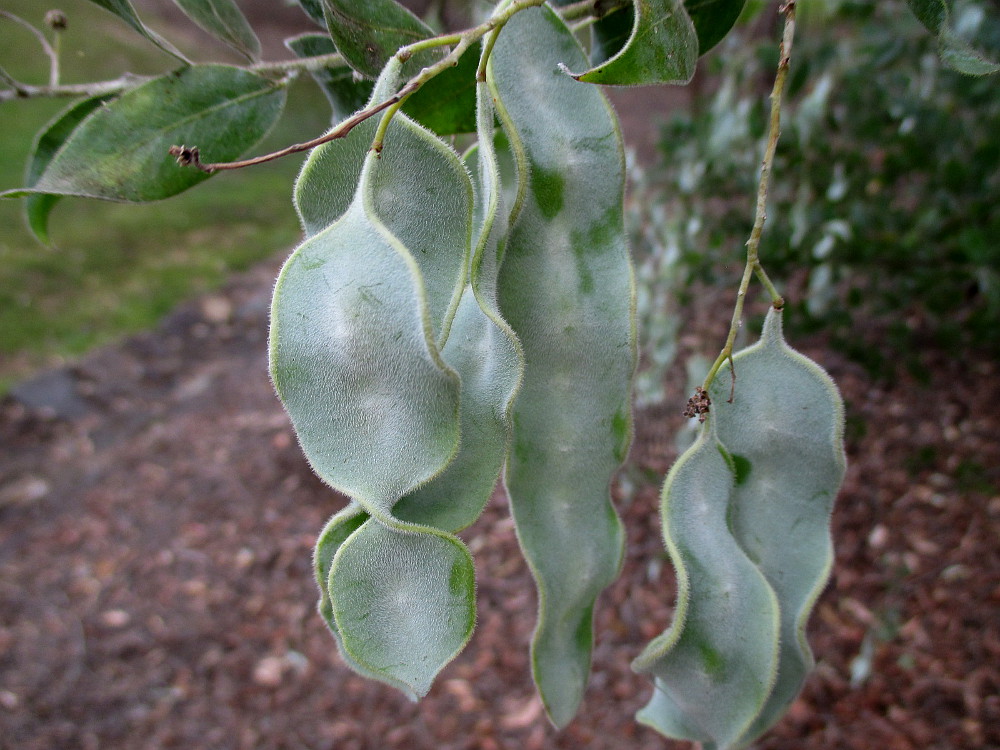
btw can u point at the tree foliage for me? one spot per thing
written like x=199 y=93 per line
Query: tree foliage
x=451 y=319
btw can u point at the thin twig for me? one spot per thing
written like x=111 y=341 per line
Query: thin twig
x=54 y=70
x=308 y=64
x=190 y=156
x=753 y=265
x=28 y=91
x=591 y=8
x=17 y=89
x=49 y=51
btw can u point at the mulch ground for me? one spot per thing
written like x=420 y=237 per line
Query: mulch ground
x=157 y=520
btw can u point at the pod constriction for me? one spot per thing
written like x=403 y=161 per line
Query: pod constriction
x=768 y=465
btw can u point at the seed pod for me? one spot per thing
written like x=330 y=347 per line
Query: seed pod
x=784 y=431
x=374 y=406
x=483 y=349
x=403 y=602
x=766 y=469
x=355 y=358
x=715 y=666
x=566 y=289
x=327 y=184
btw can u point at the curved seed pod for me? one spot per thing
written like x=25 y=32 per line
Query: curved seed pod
x=418 y=189
x=328 y=181
x=403 y=603
x=337 y=531
x=373 y=405
x=329 y=178
x=421 y=193
x=397 y=617
x=376 y=420
x=566 y=288
x=784 y=431
x=715 y=666
x=485 y=352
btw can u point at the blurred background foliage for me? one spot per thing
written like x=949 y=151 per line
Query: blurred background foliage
x=116 y=268
x=882 y=223
x=884 y=212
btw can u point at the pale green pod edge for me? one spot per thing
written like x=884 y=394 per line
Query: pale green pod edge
x=485 y=352
x=566 y=288
x=403 y=602
x=369 y=347
x=715 y=666
x=418 y=190
x=785 y=432
x=373 y=404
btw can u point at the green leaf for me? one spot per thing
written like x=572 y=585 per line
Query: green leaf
x=124 y=10
x=715 y=666
x=314 y=9
x=662 y=48
x=404 y=604
x=369 y=33
x=713 y=19
x=973 y=50
x=223 y=20
x=120 y=151
x=931 y=13
x=345 y=91
x=610 y=34
x=958 y=55
x=37 y=207
x=566 y=289
x=785 y=428
x=447 y=103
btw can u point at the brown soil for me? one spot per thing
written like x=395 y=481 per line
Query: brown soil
x=156 y=588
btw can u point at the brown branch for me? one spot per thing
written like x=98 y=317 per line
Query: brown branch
x=189 y=156
x=753 y=265
x=28 y=91
x=48 y=49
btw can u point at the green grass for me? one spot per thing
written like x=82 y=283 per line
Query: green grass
x=118 y=268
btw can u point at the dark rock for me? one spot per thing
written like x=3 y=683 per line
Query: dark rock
x=52 y=394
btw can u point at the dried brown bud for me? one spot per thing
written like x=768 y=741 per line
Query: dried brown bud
x=56 y=20
x=185 y=156
x=698 y=405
